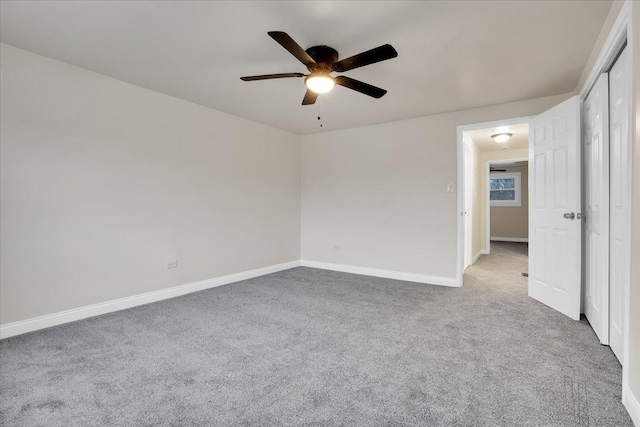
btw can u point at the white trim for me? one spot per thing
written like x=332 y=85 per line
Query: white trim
x=468 y=200
x=474 y=258
x=510 y=239
x=487 y=214
x=460 y=202
x=624 y=20
x=481 y=252
x=387 y=274
x=460 y=177
x=630 y=401
x=42 y=322
x=617 y=37
x=496 y=123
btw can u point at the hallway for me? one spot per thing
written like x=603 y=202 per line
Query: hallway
x=504 y=266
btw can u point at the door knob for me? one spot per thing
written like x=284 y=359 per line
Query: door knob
x=570 y=215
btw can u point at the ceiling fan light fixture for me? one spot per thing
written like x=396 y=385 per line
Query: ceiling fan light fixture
x=321 y=61
x=501 y=138
x=320 y=82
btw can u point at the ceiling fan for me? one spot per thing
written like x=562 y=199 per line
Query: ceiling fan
x=321 y=61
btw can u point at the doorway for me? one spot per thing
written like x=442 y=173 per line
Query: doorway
x=554 y=193
x=494 y=161
x=507 y=200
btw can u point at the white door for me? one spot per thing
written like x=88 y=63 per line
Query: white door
x=554 y=200
x=620 y=231
x=596 y=208
x=468 y=194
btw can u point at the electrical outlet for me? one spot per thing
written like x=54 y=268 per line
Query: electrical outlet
x=172 y=264
x=450 y=187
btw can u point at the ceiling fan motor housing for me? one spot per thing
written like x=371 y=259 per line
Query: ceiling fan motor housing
x=324 y=56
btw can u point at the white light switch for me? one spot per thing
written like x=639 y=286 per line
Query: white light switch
x=450 y=187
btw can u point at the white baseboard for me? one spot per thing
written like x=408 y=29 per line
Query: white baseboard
x=510 y=239
x=42 y=322
x=387 y=274
x=476 y=256
x=630 y=401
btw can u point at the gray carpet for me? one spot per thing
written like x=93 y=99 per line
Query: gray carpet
x=307 y=346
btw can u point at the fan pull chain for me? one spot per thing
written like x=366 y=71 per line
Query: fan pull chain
x=318 y=103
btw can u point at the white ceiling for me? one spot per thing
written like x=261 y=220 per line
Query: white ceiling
x=452 y=55
x=484 y=142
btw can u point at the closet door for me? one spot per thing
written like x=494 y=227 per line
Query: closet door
x=596 y=208
x=620 y=198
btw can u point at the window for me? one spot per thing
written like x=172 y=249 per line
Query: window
x=505 y=189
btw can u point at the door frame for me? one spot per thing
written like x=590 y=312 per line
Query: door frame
x=619 y=36
x=468 y=205
x=488 y=191
x=461 y=180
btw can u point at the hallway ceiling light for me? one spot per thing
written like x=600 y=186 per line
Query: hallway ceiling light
x=501 y=138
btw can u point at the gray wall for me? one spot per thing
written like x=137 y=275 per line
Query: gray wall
x=102 y=182
x=379 y=192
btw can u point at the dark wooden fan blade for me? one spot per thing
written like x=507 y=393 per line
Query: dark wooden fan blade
x=271 y=76
x=372 y=56
x=359 y=86
x=309 y=97
x=294 y=48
